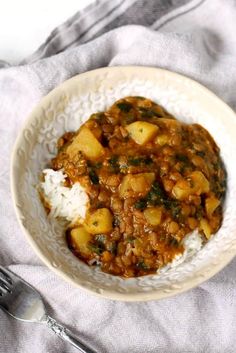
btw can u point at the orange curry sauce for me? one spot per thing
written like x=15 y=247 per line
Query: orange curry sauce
x=153 y=179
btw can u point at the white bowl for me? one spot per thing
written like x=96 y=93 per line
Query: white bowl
x=66 y=108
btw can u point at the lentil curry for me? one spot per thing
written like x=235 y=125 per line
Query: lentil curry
x=151 y=180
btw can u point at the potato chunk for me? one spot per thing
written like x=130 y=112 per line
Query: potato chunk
x=200 y=183
x=80 y=239
x=153 y=215
x=136 y=184
x=142 y=132
x=211 y=205
x=196 y=184
x=205 y=227
x=162 y=139
x=87 y=143
x=181 y=190
x=99 y=221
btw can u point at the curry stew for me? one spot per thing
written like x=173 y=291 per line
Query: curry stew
x=151 y=180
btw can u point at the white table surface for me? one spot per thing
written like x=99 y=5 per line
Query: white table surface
x=25 y=24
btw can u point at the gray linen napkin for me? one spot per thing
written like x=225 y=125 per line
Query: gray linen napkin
x=196 y=38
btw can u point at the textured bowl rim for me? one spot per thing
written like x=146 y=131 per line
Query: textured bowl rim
x=106 y=293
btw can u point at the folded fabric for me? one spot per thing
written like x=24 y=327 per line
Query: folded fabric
x=196 y=38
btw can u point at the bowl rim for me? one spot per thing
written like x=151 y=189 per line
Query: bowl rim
x=107 y=293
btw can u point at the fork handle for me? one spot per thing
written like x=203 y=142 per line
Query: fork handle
x=66 y=335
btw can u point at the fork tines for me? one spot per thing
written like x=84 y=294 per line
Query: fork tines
x=5 y=282
x=5 y=274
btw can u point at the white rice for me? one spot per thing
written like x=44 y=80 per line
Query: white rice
x=192 y=244
x=69 y=203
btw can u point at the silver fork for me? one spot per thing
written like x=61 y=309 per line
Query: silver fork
x=23 y=302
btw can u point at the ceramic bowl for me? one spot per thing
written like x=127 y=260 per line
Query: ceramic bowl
x=66 y=108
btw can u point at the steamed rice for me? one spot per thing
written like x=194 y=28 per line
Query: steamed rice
x=69 y=203
x=192 y=244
